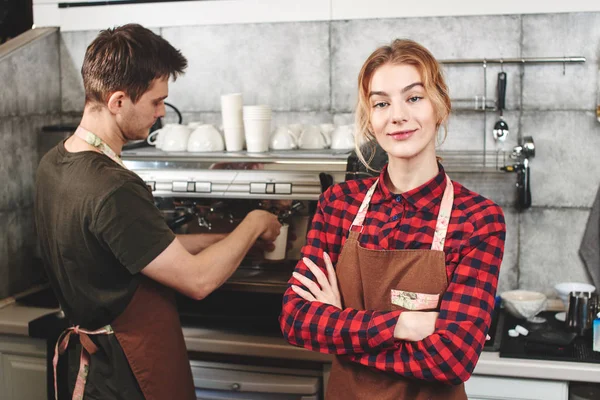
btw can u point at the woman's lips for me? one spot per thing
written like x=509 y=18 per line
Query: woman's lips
x=402 y=135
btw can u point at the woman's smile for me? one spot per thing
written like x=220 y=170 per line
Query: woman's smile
x=402 y=135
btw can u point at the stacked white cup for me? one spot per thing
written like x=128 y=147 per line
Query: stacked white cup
x=233 y=123
x=257 y=128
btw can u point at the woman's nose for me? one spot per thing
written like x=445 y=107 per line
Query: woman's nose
x=399 y=114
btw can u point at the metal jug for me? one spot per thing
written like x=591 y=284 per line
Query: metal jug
x=583 y=307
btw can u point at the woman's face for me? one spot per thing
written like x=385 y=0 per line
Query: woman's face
x=402 y=115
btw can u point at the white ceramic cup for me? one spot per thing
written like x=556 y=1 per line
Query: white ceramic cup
x=283 y=139
x=205 y=138
x=343 y=137
x=194 y=124
x=280 y=244
x=296 y=130
x=157 y=137
x=312 y=138
x=233 y=123
x=327 y=130
x=176 y=138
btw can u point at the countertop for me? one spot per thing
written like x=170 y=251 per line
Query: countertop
x=14 y=320
x=490 y=363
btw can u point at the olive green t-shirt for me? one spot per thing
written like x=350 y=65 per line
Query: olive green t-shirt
x=98 y=228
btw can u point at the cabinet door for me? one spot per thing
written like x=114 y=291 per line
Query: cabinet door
x=480 y=387
x=24 y=377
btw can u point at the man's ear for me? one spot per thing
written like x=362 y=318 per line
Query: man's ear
x=115 y=102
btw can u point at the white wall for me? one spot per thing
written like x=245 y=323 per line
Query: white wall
x=187 y=13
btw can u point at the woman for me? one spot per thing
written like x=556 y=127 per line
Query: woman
x=416 y=256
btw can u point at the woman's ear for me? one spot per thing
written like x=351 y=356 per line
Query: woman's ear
x=115 y=102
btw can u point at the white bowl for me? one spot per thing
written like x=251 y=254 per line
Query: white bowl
x=565 y=288
x=523 y=304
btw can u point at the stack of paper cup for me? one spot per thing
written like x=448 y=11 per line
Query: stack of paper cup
x=257 y=127
x=233 y=124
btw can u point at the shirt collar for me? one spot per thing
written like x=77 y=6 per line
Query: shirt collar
x=426 y=197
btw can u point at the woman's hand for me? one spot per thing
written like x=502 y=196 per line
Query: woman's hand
x=415 y=325
x=327 y=289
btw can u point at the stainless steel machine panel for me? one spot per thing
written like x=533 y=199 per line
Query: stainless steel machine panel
x=239 y=175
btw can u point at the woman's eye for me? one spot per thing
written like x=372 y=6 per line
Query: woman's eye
x=380 y=104
x=414 y=99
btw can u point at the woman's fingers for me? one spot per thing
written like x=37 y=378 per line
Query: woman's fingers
x=335 y=292
x=319 y=275
x=303 y=293
x=312 y=286
x=331 y=274
x=325 y=289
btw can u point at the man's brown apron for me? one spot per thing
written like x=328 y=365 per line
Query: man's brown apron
x=387 y=280
x=149 y=332
x=150 y=335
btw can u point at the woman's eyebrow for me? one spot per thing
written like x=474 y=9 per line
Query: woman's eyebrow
x=412 y=85
x=406 y=89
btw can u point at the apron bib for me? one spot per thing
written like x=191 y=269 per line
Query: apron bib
x=386 y=280
x=148 y=330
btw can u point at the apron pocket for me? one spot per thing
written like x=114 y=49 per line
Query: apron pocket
x=413 y=301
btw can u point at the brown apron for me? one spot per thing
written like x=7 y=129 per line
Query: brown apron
x=150 y=335
x=387 y=280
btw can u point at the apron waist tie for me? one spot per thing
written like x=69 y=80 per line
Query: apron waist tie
x=87 y=348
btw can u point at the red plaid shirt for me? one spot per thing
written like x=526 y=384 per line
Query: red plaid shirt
x=474 y=248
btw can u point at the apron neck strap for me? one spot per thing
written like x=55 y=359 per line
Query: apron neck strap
x=443 y=220
x=441 y=227
x=98 y=143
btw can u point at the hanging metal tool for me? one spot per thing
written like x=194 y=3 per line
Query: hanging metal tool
x=501 y=127
x=522 y=153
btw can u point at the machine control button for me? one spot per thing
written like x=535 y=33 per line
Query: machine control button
x=203 y=187
x=180 y=186
x=283 y=188
x=191 y=186
x=270 y=188
x=151 y=185
x=258 y=188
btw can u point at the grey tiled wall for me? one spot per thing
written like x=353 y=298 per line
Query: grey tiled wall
x=307 y=73
x=29 y=99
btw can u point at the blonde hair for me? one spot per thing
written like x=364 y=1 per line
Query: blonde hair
x=401 y=51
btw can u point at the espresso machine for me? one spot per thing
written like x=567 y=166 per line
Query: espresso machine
x=213 y=192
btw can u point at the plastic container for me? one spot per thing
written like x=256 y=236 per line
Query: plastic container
x=596 y=344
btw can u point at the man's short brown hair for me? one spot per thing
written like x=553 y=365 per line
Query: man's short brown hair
x=128 y=58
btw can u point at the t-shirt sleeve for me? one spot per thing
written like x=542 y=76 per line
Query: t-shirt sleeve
x=131 y=226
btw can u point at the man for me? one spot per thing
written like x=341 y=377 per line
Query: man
x=110 y=257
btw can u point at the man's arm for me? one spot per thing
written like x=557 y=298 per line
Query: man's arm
x=199 y=275
x=196 y=242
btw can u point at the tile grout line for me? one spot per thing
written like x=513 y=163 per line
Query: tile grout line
x=329 y=44
x=60 y=76
x=519 y=136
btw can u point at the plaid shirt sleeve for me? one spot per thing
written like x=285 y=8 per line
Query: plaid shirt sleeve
x=323 y=327
x=450 y=354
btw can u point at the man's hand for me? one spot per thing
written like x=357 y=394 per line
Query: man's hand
x=326 y=291
x=415 y=325
x=269 y=222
